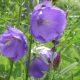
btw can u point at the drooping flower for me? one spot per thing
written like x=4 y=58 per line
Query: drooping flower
x=47 y=22
x=38 y=66
x=13 y=44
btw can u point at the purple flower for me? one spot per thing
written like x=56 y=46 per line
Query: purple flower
x=47 y=22
x=13 y=44
x=44 y=52
x=37 y=67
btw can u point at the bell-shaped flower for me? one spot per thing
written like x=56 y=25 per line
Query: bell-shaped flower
x=47 y=22
x=13 y=44
x=38 y=66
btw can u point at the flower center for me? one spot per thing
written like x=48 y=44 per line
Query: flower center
x=40 y=21
x=43 y=22
x=43 y=6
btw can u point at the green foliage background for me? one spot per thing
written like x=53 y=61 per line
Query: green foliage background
x=17 y=13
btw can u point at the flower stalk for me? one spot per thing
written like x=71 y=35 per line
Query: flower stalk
x=29 y=58
x=19 y=14
x=11 y=68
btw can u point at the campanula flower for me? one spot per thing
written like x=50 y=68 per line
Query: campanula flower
x=47 y=22
x=13 y=44
x=44 y=52
x=38 y=66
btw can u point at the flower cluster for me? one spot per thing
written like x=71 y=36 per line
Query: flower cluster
x=40 y=63
x=47 y=24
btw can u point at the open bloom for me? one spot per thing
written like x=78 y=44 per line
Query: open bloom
x=38 y=66
x=13 y=44
x=47 y=22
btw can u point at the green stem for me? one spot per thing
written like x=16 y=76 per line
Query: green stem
x=19 y=15
x=11 y=67
x=29 y=58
